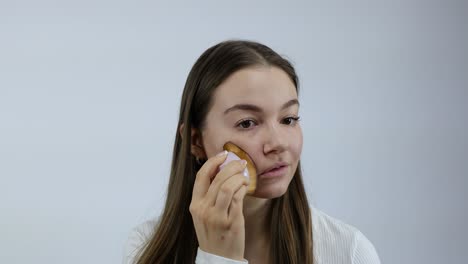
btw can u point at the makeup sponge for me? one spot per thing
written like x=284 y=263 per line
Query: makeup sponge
x=236 y=153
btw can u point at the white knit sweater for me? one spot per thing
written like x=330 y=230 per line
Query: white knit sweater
x=334 y=243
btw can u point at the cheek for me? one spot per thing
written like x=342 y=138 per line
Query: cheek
x=215 y=138
x=296 y=145
x=253 y=144
x=249 y=144
x=212 y=142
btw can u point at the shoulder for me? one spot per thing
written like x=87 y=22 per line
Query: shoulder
x=338 y=242
x=137 y=238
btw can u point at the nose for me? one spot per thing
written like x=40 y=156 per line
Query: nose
x=274 y=140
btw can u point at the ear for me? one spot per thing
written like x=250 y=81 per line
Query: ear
x=196 y=142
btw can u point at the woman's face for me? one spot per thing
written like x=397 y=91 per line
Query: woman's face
x=255 y=108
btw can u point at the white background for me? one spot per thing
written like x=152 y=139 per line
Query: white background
x=90 y=94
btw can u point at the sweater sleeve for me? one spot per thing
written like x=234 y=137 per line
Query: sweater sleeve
x=137 y=239
x=207 y=258
x=132 y=246
x=364 y=252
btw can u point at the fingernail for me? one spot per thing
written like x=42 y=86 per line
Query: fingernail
x=222 y=153
x=246 y=175
x=243 y=162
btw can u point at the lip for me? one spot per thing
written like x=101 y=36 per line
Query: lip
x=277 y=170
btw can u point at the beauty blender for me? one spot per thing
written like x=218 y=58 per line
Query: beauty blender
x=236 y=153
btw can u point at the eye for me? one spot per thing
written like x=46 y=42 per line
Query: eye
x=246 y=124
x=292 y=120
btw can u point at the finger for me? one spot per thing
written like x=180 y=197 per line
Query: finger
x=227 y=191
x=206 y=173
x=237 y=203
x=233 y=168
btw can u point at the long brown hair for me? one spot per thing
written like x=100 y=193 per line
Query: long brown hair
x=174 y=239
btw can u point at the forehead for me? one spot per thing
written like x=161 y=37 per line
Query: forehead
x=267 y=87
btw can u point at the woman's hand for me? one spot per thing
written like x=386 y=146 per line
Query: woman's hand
x=216 y=207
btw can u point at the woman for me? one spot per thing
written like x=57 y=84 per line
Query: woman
x=245 y=93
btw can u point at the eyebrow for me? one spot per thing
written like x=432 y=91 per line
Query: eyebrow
x=254 y=108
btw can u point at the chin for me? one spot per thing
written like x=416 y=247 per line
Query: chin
x=270 y=191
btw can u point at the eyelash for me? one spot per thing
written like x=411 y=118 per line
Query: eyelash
x=294 y=121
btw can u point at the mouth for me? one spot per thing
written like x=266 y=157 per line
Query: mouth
x=276 y=170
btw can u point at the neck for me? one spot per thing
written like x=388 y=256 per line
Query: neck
x=256 y=211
